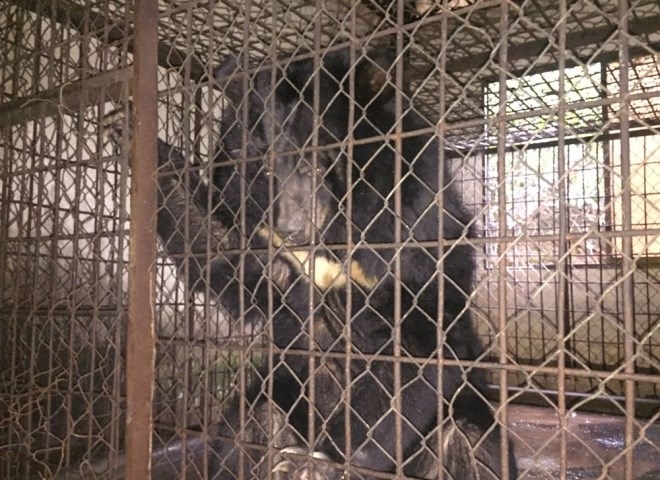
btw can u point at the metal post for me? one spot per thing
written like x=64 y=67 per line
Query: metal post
x=140 y=339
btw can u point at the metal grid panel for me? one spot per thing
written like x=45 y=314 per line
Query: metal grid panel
x=555 y=154
x=63 y=243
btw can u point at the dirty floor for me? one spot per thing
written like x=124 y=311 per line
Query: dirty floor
x=594 y=446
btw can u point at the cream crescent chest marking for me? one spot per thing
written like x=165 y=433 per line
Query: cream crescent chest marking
x=327 y=272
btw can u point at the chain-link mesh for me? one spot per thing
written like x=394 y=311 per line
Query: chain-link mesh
x=63 y=244
x=546 y=114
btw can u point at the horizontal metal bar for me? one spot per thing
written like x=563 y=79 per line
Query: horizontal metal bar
x=69 y=98
x=106 y=30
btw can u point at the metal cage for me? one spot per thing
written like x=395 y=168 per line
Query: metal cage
x=548 y=113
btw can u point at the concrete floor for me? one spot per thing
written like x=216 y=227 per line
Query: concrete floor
x=594 y=446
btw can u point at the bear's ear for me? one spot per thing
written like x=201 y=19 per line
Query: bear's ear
x=296 y=78
x=231 y=78
x=227 y=75
x=374 y=76
x=231 y=75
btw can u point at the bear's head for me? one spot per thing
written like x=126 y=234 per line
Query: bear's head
x=287 y=128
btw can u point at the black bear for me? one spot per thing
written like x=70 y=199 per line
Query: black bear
x=327 y=210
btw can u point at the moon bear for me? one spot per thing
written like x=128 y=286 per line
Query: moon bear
x=329 y=222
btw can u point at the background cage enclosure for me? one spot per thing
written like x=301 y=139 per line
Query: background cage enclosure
x=549 y=112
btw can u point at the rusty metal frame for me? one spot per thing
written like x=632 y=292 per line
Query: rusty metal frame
x=140 y=337
x=149 y=53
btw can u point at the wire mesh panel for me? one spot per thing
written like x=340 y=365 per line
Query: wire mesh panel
x=397 y=239
x=63 y=247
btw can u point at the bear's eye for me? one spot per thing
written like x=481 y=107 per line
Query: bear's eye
x=307 y=170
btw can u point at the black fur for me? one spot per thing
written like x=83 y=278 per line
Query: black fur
x=297 y=271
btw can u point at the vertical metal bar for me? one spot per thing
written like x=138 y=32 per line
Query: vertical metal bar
x=349 y=145
x=398 y=173
x=440 y=271
x=207 y=409
x=502 y=229
x=9 y=194
x=314 y=241
x=32 y=256
x=121 y=195
x=36 y=231
x=94 y=320
x=76 y=264
x=140 y=338
x=9 y=350
x=627 y=262
x=186 y=369
x=607 y=166
x=76 y=259
x=188 y=291
x=607 y=197
x=270 y=109
x=51 y=285
x=5 y=198
x=562 y=325
x=244 y=62
x=207 y=387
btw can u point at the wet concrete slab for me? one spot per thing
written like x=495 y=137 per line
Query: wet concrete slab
x=595 y=445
